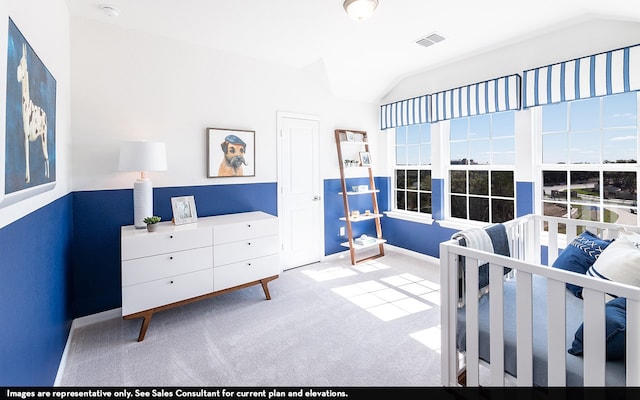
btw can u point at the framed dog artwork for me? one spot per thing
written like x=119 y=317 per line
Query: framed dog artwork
x=231 y=153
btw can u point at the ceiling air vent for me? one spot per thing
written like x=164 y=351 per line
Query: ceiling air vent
x=430 y=40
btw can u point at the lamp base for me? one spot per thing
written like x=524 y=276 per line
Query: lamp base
x=142 y=202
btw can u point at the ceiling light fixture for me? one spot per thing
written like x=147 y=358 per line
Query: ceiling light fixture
x=110 y=10
x=360 y=9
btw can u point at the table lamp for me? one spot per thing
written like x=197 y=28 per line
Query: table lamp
x=142 y=156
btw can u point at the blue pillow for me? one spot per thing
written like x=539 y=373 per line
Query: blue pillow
x=615 y=314
x=579 y=255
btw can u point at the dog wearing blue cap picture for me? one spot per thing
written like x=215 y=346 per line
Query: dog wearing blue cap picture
x=234 y=149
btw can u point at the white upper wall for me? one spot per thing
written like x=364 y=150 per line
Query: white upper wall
x=578 y=38
x=130 y=85
x=45 y=25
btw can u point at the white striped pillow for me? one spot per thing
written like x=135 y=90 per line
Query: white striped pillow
x=620 y=261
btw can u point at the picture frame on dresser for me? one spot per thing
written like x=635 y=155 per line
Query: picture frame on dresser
x=184 y=210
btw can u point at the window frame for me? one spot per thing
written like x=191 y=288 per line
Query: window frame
x=600 y=168
x=410 y=215
x=447 y=167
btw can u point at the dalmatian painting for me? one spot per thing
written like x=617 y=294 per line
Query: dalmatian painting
x=30 y=119
x=231 y=153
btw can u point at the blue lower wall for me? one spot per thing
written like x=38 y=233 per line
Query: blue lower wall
x=35 y=294
x=421 y=238
x=525 y=192
x=437 y=199
x=415 y=236
x=334 y=210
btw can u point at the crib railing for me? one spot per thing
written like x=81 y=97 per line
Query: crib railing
x=528 y=235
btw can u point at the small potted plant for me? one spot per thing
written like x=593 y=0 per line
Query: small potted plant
x=151 y=222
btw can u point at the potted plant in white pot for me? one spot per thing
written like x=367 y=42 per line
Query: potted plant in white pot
x=152 y=223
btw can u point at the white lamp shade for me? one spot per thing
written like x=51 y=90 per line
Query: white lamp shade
x=143 y=156
x=360 y=9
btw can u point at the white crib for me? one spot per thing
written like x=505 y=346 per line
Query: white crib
x=527 y=238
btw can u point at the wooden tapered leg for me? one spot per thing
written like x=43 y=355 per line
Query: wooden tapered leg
x=264 y=283
x=146 y=319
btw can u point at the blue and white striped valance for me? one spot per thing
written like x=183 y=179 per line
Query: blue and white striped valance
x=612 y=72
x=494 y=95
x=405 y=112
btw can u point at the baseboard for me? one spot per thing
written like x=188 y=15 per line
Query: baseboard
x=78 y=323
x=388 y=247
x=98 y=317
x=412 y=253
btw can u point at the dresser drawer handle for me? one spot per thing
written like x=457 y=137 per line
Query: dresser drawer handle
x=248 y=225
x=249 y=264
x=170 y=236
x=170 y=257
x=171 y=282
x=249 y=243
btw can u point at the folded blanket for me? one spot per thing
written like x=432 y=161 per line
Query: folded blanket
x=492 y=239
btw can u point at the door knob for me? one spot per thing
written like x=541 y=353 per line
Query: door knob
x=316 y=198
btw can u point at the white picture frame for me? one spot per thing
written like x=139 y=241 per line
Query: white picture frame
x=365 y=159
x=184 y=210
x=350 y=136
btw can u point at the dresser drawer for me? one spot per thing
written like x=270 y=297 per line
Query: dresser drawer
x=146 y=269
x=242 y=272
x=166 y=240
x=232 y=232
x=244 y=250
x=157 y=293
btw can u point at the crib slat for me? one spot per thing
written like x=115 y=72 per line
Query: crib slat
x=594 y=338
x=572 y=230
x=556 y=312
x=524 y=321
x=633 y=345
x=553 y=242
x=448 y=302
x=532 y=230
x=471 y=316
x=496 y=311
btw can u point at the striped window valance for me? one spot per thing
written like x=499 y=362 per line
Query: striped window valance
x=405 y=112
x=501 y=94
x=611 y=72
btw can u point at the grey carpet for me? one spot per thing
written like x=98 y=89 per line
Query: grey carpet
x=328 y=324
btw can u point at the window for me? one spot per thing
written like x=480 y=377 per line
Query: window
x=412 y=180
x=481 y=171
x=589 y=159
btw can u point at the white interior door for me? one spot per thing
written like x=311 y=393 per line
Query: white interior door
x=299 y=200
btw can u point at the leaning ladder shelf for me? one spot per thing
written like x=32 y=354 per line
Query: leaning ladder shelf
x=349 y=142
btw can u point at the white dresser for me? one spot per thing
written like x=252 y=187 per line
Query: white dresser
x=176 y=265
